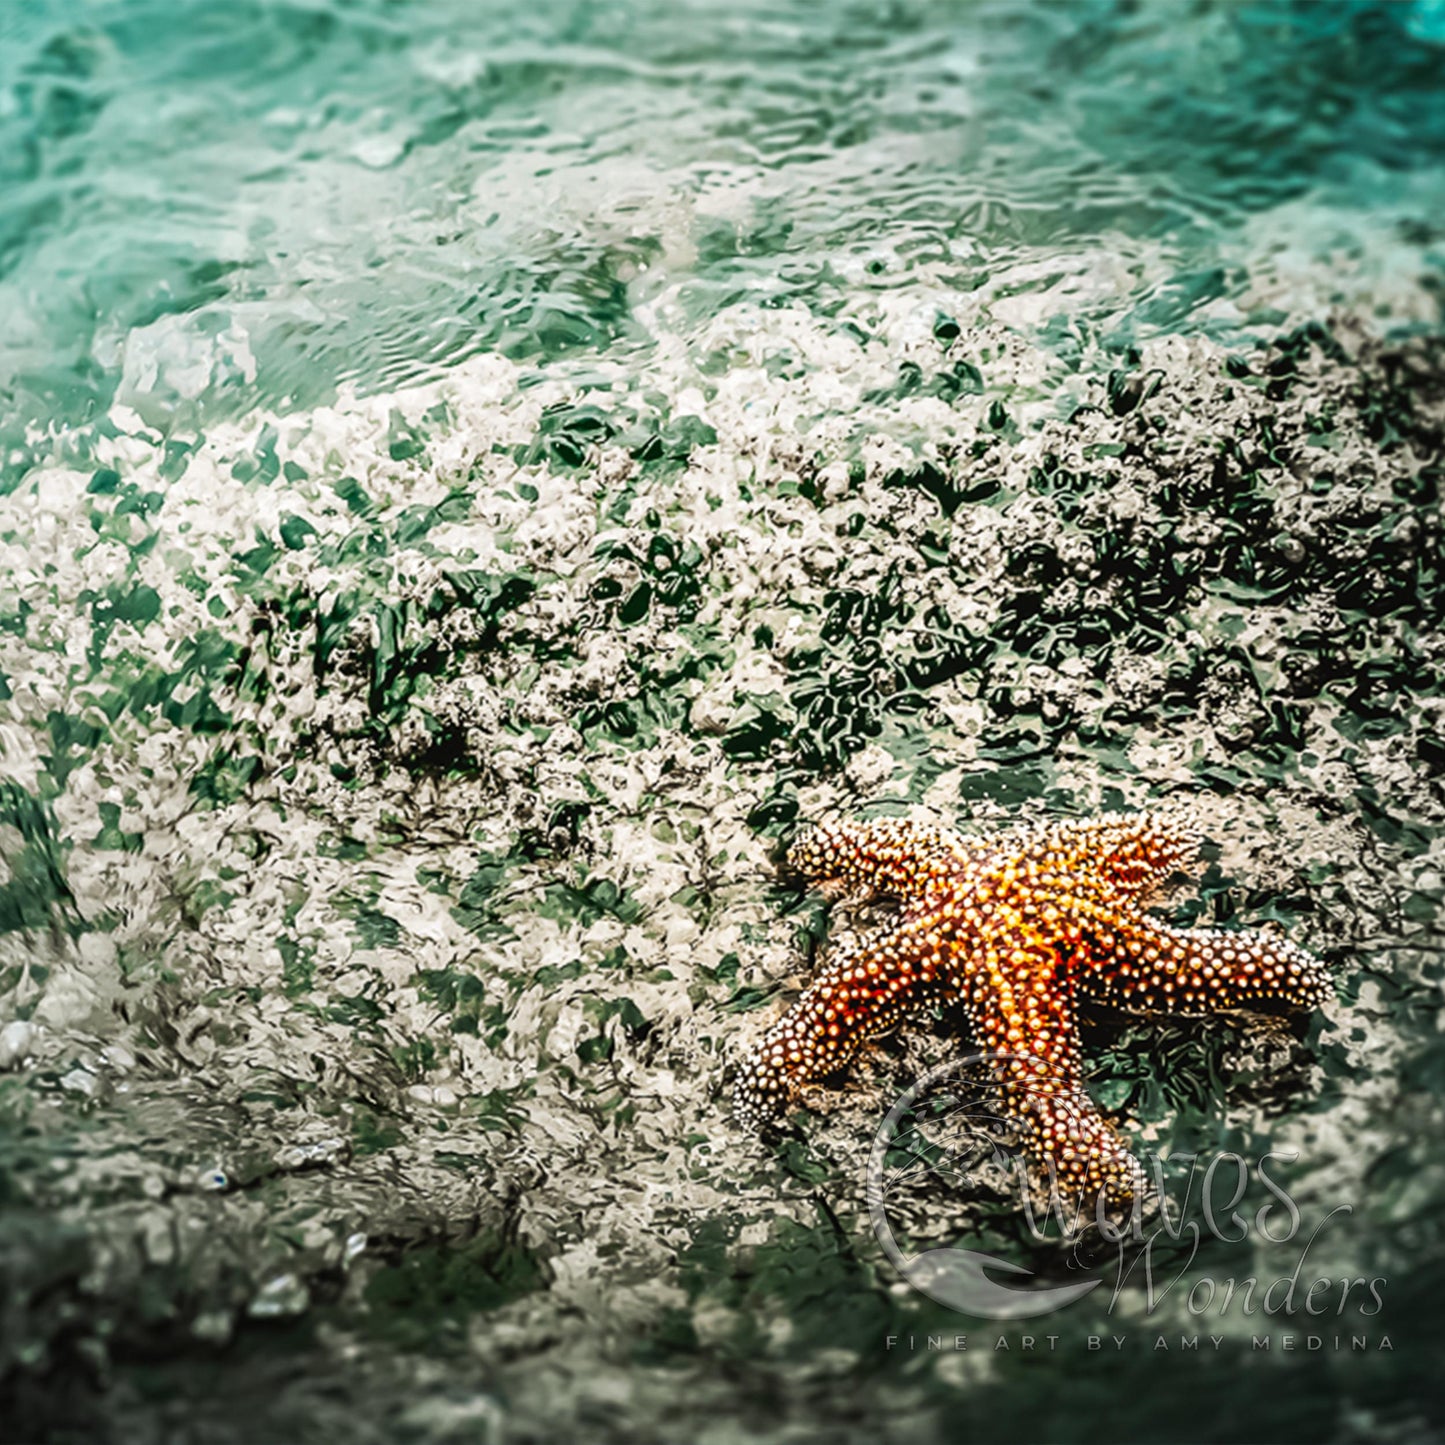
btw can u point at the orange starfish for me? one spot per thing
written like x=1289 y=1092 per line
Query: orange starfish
x=1022 y=930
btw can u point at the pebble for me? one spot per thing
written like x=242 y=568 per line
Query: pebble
x=17 y=1038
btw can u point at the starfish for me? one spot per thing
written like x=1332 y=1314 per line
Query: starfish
x=1021 y=930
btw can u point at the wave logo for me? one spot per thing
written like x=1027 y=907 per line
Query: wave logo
x=948 y=1125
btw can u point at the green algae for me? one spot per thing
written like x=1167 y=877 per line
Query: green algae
x=470 y=900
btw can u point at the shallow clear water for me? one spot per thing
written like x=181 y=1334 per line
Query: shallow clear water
x=206 y=207
x=476 y=479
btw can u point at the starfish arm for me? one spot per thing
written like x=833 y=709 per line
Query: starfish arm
x=890 y=855
x=1145 y=966
x=863 y=991
x=1021 y=1009
x=1136 y=855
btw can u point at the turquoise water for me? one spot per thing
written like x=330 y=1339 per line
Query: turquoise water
x=209 y=207
x=476 y=479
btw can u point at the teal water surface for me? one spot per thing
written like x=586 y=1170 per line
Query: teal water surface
x=204 y=207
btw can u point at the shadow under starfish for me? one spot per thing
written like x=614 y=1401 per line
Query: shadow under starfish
x=1021 y=931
